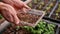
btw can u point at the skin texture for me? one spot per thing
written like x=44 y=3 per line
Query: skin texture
x=10 y=8
x=18 y=4
x=9 y=13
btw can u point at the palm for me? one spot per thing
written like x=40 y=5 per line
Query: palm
x=11 y=8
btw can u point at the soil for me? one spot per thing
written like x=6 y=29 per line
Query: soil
x=40 y=6
x=12 y=30
x=29 y=18
x=56 y=14
x=49 y=8
x=56 y=17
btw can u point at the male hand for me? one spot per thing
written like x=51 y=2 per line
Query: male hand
x=18 y=4
x=10 y=9
x=9 y=13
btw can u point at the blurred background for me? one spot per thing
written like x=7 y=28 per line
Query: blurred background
x=50 y=24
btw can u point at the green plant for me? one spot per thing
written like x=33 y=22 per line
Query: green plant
x=42 y=27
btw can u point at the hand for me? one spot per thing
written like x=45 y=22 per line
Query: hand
x=9 y=13
x=27 y=1
x=18 y=4
x=9 y=10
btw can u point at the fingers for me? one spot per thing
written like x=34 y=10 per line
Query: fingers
x=7 y=16
x=18 y=3
x=10 y=17
x=25 y=10
x=8 y=2
x=13 y=2
x=27 y=7
x=16 y=20
x=9 y=13
x=5 y=12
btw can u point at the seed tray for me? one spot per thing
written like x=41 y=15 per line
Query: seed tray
x=53 y=9
x=41 y=5
x=46 y=5
x=49 y=8
x=31 y=18
x=36 y=1
x=57 y=28
x=33 y=3
x=37 y=4
x=52 y=13
x=11 y=29
x=56 y=13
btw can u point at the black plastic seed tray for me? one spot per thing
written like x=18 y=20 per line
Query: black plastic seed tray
x=49 y=8
x=46 y=5
x=56 y=14
x=33 y=3
x=11 y=29
x=38 y=4
x=48 y=13
x=50 y=19
x=53 y=14
x=59 y=30
x=41 y=5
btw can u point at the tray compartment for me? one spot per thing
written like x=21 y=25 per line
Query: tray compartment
x=31 y=18
x=42 y=26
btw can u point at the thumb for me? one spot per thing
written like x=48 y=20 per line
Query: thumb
x=27 y=7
